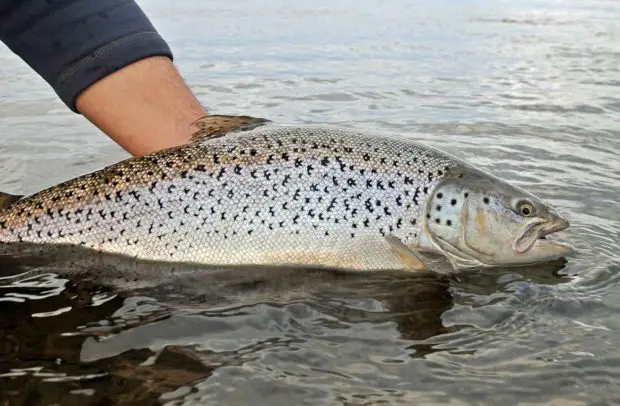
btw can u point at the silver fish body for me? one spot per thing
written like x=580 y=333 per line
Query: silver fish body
x=263 y=195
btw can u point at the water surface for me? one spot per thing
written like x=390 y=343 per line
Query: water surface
x=527 y=90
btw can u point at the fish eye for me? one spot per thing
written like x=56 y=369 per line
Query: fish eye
x=525 y=208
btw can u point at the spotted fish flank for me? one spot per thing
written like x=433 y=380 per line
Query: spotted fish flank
x=249 y=191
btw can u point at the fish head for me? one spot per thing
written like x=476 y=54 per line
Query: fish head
x=478 y=220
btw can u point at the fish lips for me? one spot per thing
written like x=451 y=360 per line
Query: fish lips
x=534 y=238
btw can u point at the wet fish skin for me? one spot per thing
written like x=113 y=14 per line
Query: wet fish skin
x=274 y=194
x=248 y=191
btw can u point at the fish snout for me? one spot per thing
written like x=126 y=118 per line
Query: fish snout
x=558 y=224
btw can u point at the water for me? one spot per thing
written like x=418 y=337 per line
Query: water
x=528 y=90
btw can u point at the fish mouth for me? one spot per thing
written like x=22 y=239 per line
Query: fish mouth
x=535 y=242
x=559 y=225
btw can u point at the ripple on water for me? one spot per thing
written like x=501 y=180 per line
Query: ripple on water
x=527 y=90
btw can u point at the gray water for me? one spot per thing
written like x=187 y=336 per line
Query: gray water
x=528 y=90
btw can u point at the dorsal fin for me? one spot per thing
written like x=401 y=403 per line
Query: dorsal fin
x=217 y=125
x=6 y=200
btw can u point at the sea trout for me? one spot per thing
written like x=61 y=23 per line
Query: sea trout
x=248 y=191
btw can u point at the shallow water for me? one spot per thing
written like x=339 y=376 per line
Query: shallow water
x=528 y=90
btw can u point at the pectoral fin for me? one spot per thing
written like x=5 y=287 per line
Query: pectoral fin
x=6 y=200
x=216 y=126
x=409 y=257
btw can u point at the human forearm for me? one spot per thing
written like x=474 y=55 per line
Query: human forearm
x=105 y=60
x=144 y=107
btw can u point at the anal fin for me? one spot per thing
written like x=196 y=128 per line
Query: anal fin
x=215 y=126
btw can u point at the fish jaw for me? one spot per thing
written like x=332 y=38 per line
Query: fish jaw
x=537 y=247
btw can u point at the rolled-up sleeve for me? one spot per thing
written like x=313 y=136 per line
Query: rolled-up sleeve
x=74 y=43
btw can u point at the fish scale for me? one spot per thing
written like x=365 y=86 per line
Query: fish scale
x=273 y=194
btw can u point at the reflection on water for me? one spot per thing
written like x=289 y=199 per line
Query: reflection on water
x=527 y=90
x=81 y=338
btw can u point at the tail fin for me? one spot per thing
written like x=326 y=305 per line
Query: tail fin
x=6 y=200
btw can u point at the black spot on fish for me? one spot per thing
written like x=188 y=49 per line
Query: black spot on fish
x=449 y=222
x=221 y=173
x=438 y=207
x=416 y=196
x=466 y=194
x=453 y=202
x=486 y=200
x=437 y=221
x=439 y=195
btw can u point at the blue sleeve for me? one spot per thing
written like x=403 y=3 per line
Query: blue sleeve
x=74 y=43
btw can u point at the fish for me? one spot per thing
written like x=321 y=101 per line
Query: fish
x=248 y=191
